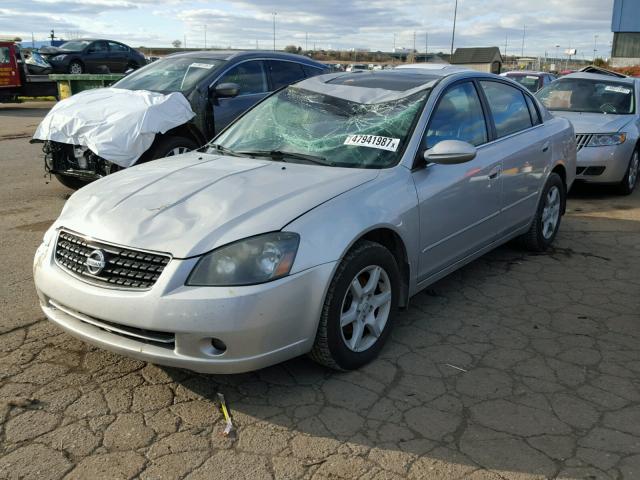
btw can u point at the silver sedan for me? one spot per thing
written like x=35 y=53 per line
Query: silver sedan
x=605 y=112
x=303 y=227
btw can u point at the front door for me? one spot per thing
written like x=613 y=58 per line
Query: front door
x=459 y=204
x=118 y=57
x=97 y=56
x=9 y=73
x=251 y=77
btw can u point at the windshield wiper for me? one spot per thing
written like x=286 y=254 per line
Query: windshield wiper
x=279 y=156
x=223 y=149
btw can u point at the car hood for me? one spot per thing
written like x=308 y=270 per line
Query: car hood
x=192 y=203
x=594 y=122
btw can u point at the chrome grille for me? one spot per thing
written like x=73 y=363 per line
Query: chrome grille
x=582 y=140
x=123 y=267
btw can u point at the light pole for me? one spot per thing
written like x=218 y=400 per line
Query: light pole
x=205 y=37
x=426 y=47
x=595 y=46
x=274 y=30
x=524 y=31
x=453 y=32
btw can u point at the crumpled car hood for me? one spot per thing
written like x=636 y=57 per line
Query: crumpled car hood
x=190 y=204
x=595 y=122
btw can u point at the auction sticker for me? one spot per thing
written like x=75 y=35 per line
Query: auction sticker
x=610 y=88
x=201 y=65
x=373 y=141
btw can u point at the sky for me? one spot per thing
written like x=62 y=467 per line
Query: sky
x=326 y=24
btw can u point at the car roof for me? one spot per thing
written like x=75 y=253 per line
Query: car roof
x=524 y=72
x=599 y=76
x=248 y=54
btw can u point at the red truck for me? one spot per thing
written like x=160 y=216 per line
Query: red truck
x=15 y=79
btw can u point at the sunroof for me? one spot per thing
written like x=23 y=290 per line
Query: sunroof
x=392 y=80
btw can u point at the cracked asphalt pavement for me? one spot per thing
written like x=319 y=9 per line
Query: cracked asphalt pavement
x=518 y=366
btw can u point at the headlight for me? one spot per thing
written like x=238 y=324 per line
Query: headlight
x=58 y=58
x=607 y=139
x=247 y=262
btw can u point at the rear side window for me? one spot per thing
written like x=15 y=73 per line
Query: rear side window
x=285 y=73
x=312 y=71
x=458 y=116
x=4 y=55
x=118 y=47
x=508 y=108
x=250 y=77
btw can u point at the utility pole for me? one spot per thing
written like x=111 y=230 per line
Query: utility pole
x=306 y=41
x=426 y=46
x=506 y=43
x=414 y=44
x=453 y=33
x=205 y=37
x=524 y=32
x=595 y=46
x=52 y=35
x=33 y=41
x=274 y=30
x=184 y=38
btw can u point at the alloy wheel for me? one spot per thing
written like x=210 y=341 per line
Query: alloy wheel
x=551 y=212
x=633 y=170
x=75 y=68
x=177 y=151
x=365 y=308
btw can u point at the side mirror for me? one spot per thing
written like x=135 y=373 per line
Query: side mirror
x=227 y=90
x=450 y=152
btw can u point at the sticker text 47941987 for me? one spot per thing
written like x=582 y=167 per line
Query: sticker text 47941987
x=373 y=141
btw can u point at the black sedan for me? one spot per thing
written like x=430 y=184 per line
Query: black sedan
x=90 y=55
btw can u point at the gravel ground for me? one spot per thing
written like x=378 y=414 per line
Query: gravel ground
x=518 y=366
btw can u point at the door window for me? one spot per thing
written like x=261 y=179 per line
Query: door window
x=458 y=116
x=508 y=108
x=4 y=55
x=100 y=47
x=285 y=73
x=118 y=47
x=250 y=77
x=533 y=111
x=312 y=71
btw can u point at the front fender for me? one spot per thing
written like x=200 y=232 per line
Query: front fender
x=328 y=231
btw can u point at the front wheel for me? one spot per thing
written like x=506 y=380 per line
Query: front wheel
x=630 y=180
x=546 y=222
x=170 y=146
x=359 y=308
x=76 y=68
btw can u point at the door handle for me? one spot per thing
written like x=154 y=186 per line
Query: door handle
x=495 y=173
x=545 y=147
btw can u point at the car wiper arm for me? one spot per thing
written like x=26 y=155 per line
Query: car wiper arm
x=225 y=150
x=279 y=155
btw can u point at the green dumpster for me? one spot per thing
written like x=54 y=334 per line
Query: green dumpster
x=70 y=84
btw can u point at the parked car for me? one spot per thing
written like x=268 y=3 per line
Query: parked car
x=357 y=67
x=308 y=221
x=218 y=85
x=532 y=81
x=604 y=110
x=90 y=55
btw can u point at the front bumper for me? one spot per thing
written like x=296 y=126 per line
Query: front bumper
x=614 y=159
x=260 y=324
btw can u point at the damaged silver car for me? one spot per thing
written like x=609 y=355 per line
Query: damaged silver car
x=304 y=226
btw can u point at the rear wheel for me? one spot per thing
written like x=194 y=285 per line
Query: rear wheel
x=630 y=180
x=546 y=222
x=170 y=146
x=76 y=67
x=359 y=308
x=73 y=183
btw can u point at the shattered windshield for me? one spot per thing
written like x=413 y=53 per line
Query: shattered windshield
x=74 y=45
x=587 y=95
x=178 y=74
x=337 y=131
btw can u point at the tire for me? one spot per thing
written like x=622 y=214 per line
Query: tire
x=76 y=67
x=169 y=146
x=542 y=233
x=74 y=183
x=630 y=179
x=338 y=347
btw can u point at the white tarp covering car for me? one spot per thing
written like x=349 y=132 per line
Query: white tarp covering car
x=116 y=124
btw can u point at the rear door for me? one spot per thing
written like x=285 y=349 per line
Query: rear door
x=118 y=57
x=251 y=78
x=525 y=148
x=9 y=74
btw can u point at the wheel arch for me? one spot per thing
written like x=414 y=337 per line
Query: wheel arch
x=185 y=130
x=561 y=170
